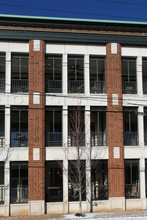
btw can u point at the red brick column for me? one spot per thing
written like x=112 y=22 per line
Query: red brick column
x=115 y=120
x=36 y=121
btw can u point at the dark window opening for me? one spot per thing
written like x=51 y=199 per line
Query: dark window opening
x=2 y=72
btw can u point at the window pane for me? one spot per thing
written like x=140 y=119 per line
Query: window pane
x=2 y=67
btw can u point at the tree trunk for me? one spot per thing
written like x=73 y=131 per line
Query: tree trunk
x=80 y=200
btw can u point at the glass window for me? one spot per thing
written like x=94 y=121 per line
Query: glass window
x=2 y=72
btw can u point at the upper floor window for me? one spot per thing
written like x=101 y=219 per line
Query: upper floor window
x=144 y=75
x=19 y=75
x=129 y=85
x=2 y=72
x=97 y=75
x=2 y=126
x=53 y=73
x=76 y=74
x=130 y=127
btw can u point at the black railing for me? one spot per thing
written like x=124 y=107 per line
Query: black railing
x=76 y=139
x=19 y=85
x=130 y=138
x=132 y=191
x=54 y=86
x=1 y=194
x=76 y=86
x=99 y=192
x=98 y=139
x=129 y=87
x=54 y=139
x=19 y=194
x=54 y=194
x=19 y=139
x=2 y=85
x=97 y=87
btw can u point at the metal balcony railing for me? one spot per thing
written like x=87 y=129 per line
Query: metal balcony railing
x=132 y=191
x=2 y=140
x=19 y=85
x=2 y=85
x=145 y=138
x=129 y=87
x=1 y=194
x=130 y=138
x=54 y=139
x=54 y=194
x=99 y=192
x=76 y=139
x=98 y=139
x=145 y=87
x=97 y=87
x=19 y=194
x=19 y=139
x=54 y=86
x=76 y=86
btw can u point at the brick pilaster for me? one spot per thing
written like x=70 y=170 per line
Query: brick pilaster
x=115 y=120
x=36 y=121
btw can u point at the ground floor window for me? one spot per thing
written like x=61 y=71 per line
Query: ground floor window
x=19 y=182
x=132 y=183
x=76 y=180
x=54 y=181
x=99 y=180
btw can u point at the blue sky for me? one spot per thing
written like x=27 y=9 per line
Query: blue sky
x=128 y=10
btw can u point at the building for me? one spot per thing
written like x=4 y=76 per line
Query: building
x=50 y=67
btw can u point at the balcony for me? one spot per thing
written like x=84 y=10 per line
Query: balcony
x=2 y=85
x=54 y=139
x=130 y=138
x=54 y=86
x=129 y=87
x=19 y=139
x=2 y=140
x=98 y=139
x=97 y=87
x=76 y=139
x=54 y=194
x=76 y=86
x=132 y=191
x=19 y=194
x=19 y=85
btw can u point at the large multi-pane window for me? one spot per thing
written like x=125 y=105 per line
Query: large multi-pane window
x=98 y=126
x=19 y=75
x=53 y=181
x=76 y=127
x=19 y=127
x=2 y=126
x=53 y=73
x=76 y=74
x=2 y=72
x=144 y=75
x=99 y=179
x=130 y=127
x=129 y=85
x=132 y=183
x=53 y=123
x=97 y=75
x=19 y=182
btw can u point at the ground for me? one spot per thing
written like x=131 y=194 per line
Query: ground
x=127 y=215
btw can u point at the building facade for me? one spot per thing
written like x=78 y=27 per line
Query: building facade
x=67 y=84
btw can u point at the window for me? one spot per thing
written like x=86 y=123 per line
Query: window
x=1 y=183
x=99 y=180
x=98 y=126
x=19 y=182
x=53 y=73
x=54 y=181
x=144 y=75
x=129 y=76
x=97 y=75
x=2 y=72
x=145 y=126
x=2 y=127
x=130 y=127
x=19 y=127
x=132 y=182
x=53 y=126
x=20 y=65
x=76 y=127
x=75 y=74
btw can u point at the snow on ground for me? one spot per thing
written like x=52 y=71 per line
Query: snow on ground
x=96 y=216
